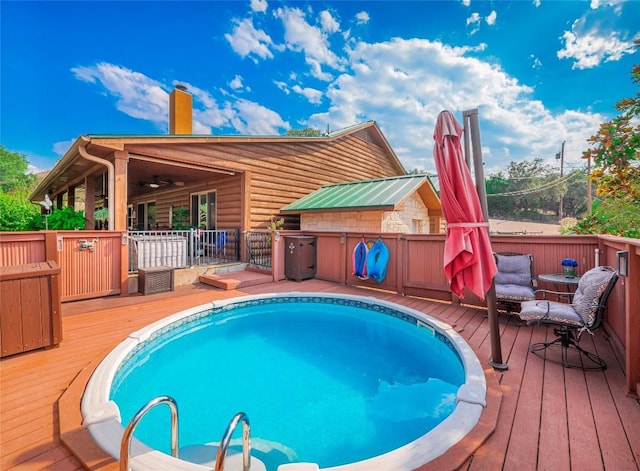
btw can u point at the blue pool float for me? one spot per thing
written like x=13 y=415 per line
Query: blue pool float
x=377 y=260
x=360 y=260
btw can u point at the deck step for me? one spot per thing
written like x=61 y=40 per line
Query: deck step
x=236 y=279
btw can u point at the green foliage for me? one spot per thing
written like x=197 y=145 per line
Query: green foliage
x=180 y=219
x=66 y=219
x=615 y=152
x=306 y=132
x=17 y=213
x=532 y=190
x=13 y=171
x=275 y=224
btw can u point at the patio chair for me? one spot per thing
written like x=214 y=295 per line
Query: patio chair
x=514 y=280
x=570 y=321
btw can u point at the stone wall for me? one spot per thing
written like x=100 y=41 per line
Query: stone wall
x=342 y=221
x=401 y=220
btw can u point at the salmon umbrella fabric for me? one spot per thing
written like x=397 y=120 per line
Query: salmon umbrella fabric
x=468 y=258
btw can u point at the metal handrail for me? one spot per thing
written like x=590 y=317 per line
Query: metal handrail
x=226 y=439
x=125 y=444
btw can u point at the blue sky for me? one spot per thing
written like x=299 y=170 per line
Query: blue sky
x=540 y=72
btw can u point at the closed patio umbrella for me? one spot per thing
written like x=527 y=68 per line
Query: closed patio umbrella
x=468 y=257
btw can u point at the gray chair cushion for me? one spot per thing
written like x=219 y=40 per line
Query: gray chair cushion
x=514 y=292
x=513 y=270
x=586 y=300
x=590 y=289
x=550 y=311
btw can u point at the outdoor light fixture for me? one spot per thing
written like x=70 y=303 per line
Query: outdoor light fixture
x=154 y=185
x=622 y=262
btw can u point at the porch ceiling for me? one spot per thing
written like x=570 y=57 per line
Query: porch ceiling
x=142 y=171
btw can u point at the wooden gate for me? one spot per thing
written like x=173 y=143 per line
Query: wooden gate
x=90 y=263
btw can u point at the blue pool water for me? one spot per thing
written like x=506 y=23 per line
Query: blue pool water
x=320 y=381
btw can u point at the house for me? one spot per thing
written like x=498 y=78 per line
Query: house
x=219 y=182
x=405 y=204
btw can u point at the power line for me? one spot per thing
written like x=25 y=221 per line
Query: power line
x=537 y=189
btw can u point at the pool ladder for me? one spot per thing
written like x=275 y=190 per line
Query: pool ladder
x=125 y=444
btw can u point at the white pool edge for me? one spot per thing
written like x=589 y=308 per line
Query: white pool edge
x=102 y=416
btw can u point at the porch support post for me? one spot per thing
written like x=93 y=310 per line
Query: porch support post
x=245 y=213
x=71 y=197
x=119 y=202
x=120 y=196
x=89 y=202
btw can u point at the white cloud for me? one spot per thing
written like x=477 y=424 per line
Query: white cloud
x=362 y=18
x=536 y=63
x=247 y=41
x=590 y=49
x=311 y=94
x=259 y=6
x=404 y=96
x=62 y=146
x=328 y=22
x=282 y=86
x=253 y=118
x=142 y=97
x=536 y=3
x=598 y=36
x=491 y=19
x=466 y=3
x=300 y=36
x=473 y=19
x=137 y=95
x=236 y=83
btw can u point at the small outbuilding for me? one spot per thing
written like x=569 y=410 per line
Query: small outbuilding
x=404 y=204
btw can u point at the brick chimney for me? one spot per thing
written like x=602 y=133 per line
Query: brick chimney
x=180 y=111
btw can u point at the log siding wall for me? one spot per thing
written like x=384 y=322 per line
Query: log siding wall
x=281 y=172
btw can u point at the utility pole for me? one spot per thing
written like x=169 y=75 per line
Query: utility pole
x=560 y=156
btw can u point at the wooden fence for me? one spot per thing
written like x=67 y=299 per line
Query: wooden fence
x=95 y=263
x=92 y=263
x=416 y=261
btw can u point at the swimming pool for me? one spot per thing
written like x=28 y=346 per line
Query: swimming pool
x=374 y=405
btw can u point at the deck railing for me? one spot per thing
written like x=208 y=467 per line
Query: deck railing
x=182 y=249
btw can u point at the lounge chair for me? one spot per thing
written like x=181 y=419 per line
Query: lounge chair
x=514 y=280
x=570 y=321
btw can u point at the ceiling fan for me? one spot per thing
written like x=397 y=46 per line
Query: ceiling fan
x=157 y=182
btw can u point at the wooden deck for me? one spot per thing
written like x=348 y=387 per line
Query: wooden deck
x=549 y=417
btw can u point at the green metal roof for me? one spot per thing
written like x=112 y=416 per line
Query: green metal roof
x=382 y=193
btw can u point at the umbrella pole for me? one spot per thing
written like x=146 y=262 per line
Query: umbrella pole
x=470 y=119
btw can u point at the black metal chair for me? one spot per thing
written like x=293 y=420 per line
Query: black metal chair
x=514 y=280
x=570 y=321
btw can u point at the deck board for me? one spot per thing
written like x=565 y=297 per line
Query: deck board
x=549 y=417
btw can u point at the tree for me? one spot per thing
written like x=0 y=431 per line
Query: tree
x=17 y=213
x=616 y=174
x=529 y=190
x=14 y=171
x=306 y=132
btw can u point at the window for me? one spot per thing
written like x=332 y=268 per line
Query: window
x=203 y=210
x=131 y=217
x=146 y=216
